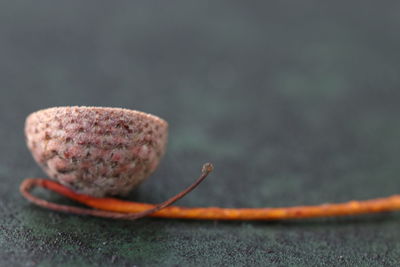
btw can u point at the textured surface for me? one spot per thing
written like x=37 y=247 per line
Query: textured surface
x=96 y=151
x=293 y=103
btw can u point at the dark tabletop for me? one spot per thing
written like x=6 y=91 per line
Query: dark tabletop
x=295 y=103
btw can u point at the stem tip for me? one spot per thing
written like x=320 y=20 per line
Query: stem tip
x=207 y=168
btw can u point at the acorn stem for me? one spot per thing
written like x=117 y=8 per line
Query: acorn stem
x=28 y=184
x=120 y=209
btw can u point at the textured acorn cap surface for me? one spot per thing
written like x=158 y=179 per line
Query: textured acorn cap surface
x=96 y=150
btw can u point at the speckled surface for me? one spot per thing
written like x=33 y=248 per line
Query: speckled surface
x=95 y=150
x=294 y=103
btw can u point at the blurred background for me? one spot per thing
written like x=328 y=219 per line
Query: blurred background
x=293 y=102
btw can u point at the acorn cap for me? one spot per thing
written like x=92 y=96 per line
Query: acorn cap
x=96 y=150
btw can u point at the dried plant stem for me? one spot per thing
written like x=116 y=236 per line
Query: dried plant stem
x=120 y=209
x=28 y=184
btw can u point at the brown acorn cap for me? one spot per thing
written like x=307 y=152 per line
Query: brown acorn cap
x=96 y=150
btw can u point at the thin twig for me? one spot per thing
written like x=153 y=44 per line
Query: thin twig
x=28 y=184
x=120 y=209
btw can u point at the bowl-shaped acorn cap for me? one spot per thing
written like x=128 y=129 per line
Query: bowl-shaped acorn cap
x=94 y=150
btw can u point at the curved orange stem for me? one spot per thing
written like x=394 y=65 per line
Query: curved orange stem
x=28 y=184
x=120 y=209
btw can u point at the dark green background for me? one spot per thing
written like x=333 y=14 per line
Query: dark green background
x=295 y=102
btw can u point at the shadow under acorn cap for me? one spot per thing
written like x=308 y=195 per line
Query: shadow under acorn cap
x=96 y=150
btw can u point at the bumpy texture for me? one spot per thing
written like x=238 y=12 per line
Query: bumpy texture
x=96 y=151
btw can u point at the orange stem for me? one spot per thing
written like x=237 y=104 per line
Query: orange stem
x=120 y=209
x=28 y=184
